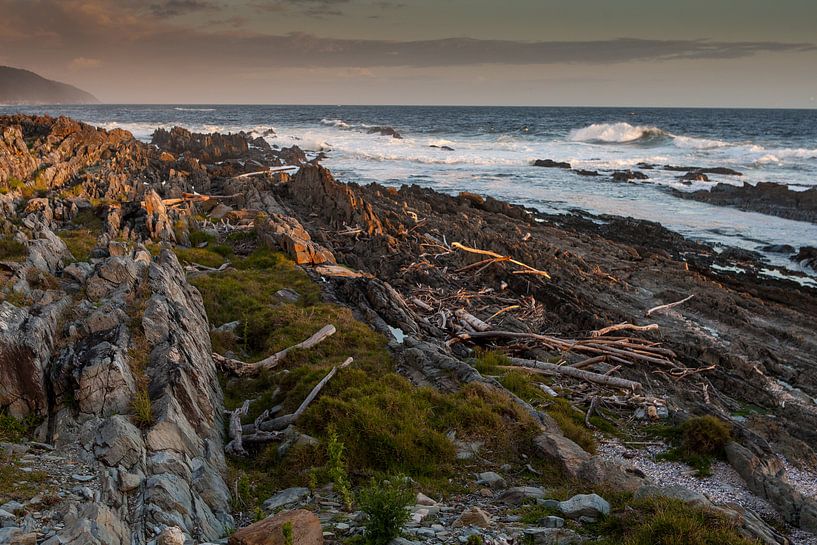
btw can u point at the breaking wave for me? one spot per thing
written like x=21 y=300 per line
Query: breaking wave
x=622 y=133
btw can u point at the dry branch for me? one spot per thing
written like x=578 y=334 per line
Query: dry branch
x=240 y=368
x=500 y=258
x=235 y=446
x=669 y=305
x=622 y=327
x=471 y=320
x=580 y=374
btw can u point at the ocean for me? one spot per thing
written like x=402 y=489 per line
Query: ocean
x=492 y=149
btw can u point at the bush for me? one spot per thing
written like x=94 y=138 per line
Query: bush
x=705 y=435
x=142 y=408
x=386 y=503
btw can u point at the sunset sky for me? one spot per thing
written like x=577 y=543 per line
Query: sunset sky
x=526 y=52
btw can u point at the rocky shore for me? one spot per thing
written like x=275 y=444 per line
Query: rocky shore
x=211 y=340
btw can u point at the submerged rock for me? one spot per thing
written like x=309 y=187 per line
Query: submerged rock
x=550 y=163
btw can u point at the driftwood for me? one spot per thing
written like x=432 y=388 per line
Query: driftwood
x=472 y=321
x=270 y=427
x=622 y=327
x=196 y=197
x=240 y=368
x=270 y=170
x=498 y=258
x=669 y=305
x=551 y=368
x=235 y=446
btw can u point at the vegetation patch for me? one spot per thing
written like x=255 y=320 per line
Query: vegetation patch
x=80 y=242
x=12 y=184
x=697 y=442
x=664 y=521
x=386 y=504
x=11 y=250
x=14 y=430
x=19 y=485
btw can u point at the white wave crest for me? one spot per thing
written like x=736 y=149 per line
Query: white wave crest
x=615 y=133
x=339 y=123
x=195 y=109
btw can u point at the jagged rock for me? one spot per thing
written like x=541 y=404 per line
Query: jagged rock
x=105 y=384
x=764 y=197
x=422 y=499
x=288 y=234
x=384 y=131
x=306 y=530
x=208 y=148
x=118 y=442
x=158 y=223
x=17 y=161
x=559 y=448
x=627 y=175
x=93 y=524
x=585 y=506
x=313 y=188
x=473 y=516
x=286 y=497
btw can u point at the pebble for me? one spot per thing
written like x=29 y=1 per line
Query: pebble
x=82 y=478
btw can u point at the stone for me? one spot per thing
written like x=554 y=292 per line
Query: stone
x=422 y=499
x=172 y=535
x=587 y=506
x=550 y=163
x=552 y=536
x=286 y=497
x=521 y=494
x=559 y=448
x=617 y=475
x=473 y=516
x=491 y=480
x=306 y=530
x=552 y=521
x=118 y=442
x=675 y=491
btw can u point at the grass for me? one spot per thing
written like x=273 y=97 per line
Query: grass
x=384 y=424
x=664 y=521
x=12 y=184
x=572 y=424
x=19 y=485
x=80 y=242
x=386 y=504
x=11 y=250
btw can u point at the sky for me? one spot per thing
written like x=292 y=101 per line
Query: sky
x=739 y=53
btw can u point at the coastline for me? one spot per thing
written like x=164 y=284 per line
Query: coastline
x=743 y=339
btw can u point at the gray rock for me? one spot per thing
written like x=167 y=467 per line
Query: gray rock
x=286 y=497
x=559 y=448
x=172 y=535
x=119 y=442
x=675 y=491
x=491 y=480
x=521 y=494
x=553 y=522
x=82 y=478
x=12 y=506
x=553 y=536
x=588 y=506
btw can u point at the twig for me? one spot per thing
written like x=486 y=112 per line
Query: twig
x=579 y=374
x=621 y=327
x=496 y=256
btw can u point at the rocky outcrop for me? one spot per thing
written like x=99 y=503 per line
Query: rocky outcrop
x=764 y=197
x=314 y=190
x=550 y=163
x=208 y=148
x=286 y=233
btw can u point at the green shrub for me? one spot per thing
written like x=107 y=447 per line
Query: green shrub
x=705 y=435
x=287 y=531
x=697 y=442
x=15 y=430
x=475 y=539
x=80 y=242
x=488 y=362
x=336 y=467
x=386 y=503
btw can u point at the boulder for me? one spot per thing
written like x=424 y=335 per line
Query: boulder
x=617 y=475
x=675 y=491
x=119 y=443
x=491 y=480
x=305 y=526
x=550 y=163
x=627 y=175
x=559 y=448
x=552 y=536
x=287 y=233
x=585 y=507
x=286 y=497
x=473 y=516
x=521 y=494
x=172 y=535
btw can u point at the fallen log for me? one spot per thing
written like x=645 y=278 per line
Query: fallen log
x=468 y=318
x=580 y=374
x=241 y=369
x=283 y=422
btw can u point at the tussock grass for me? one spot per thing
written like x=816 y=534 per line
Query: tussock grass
x=664 y=521
x=11 y=250
x=18 y=485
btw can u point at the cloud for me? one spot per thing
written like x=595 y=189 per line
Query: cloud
x=175 y=8
x=83 y=63
x=312 y=8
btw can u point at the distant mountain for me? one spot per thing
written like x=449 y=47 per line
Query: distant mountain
x=23 y=87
